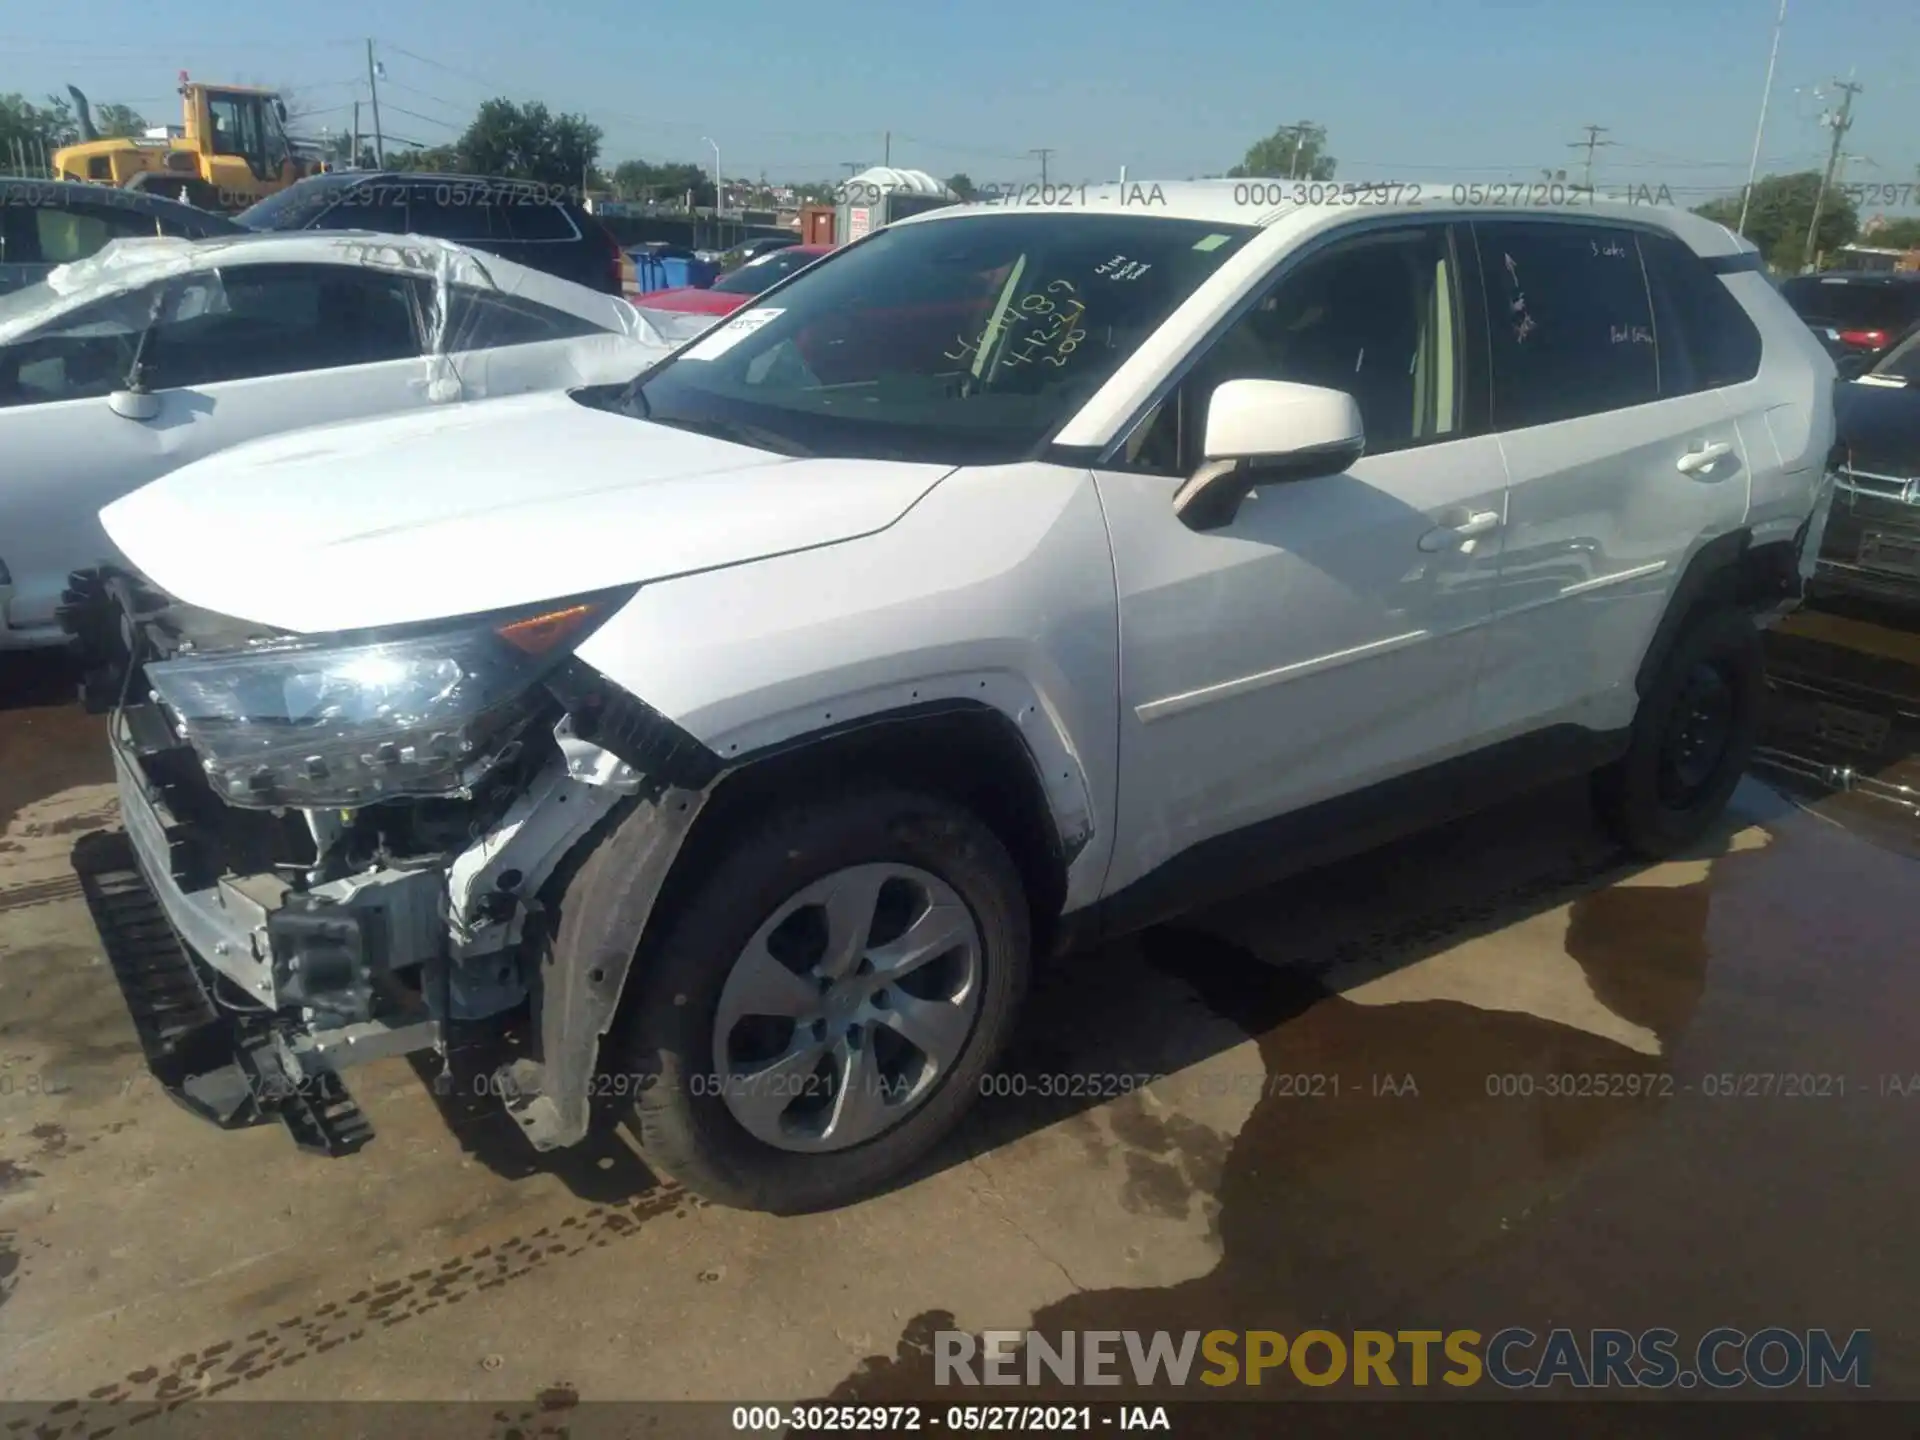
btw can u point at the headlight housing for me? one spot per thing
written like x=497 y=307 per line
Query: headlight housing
x=328 y=721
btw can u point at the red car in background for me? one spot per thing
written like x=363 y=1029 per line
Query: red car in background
x=736 y=287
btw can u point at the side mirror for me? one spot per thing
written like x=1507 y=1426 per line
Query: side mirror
x=1262 y=432
x=134 y=404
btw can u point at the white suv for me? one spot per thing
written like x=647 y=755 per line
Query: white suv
x=1010 y=578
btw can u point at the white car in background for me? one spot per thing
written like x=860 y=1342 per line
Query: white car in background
x=156 y=352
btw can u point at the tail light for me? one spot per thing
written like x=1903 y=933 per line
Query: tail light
x=619 y=266
x=1866 y=339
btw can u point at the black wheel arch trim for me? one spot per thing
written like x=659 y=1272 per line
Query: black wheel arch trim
x=1714 y=574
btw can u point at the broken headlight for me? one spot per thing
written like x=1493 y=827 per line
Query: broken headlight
x=346 y=720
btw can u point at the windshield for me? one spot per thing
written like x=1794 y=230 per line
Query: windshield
x=758 y=274
x=962 y=341
x=295 y=207
x=1902 y=362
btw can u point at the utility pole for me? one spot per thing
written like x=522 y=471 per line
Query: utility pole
x=1760 y=126
x=886 y=149
x=1591 y=143
x=719 y=197
x=353 y=155
x=1841 y=123
x=379 y=144
x=1043 y=153
x=1298 y=134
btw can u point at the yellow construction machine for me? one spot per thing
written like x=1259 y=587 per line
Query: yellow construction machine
x=231 y=149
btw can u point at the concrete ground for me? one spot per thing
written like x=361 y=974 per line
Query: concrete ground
x=145 y=1256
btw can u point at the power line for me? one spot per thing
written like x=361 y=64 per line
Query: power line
x=466 y=75
x=414 y=90
x=394 y=109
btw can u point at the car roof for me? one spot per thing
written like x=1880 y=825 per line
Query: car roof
x=1245 y=202
x=333 y=179
x=124 y=264
x=26 y=191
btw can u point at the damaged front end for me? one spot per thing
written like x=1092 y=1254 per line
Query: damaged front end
x=335 y=847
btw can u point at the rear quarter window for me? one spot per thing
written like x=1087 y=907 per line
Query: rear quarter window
x=535 y=220
x=1706 y=340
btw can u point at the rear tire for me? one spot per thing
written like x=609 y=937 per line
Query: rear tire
x=1692 y=738
x=689 y=1116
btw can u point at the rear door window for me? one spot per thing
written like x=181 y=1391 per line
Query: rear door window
x=1570 y=319
x=461 y=211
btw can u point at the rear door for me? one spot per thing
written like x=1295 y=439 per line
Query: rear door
x=509 y=344
x=1619 y=466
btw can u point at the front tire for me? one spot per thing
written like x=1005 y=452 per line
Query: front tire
x=820 y=1009
x=1692 y=738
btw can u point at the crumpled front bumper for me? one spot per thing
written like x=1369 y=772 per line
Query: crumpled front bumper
x=258 y=978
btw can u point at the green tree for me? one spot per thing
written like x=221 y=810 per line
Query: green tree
x=529 y=142
x=1902 y=233
x=1293 y=152
x=27 y=130
x=639 y=180
x=116 y=121
x=962 y=185
x=1779 y=213
x=433 y=159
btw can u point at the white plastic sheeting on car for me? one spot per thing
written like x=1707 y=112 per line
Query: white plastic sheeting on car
x=452 y=329
x=677 y=327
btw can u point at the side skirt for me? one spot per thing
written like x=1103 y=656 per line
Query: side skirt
x=1346 y=825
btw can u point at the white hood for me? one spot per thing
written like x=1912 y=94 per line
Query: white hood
x=480 y=506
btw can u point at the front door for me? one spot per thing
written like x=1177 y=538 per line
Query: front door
x=229 y=356
x=1330 y=636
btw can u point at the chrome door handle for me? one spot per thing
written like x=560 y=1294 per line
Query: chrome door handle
x=1694 y=461
x=1449 y=536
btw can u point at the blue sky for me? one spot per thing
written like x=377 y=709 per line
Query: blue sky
x=1465 y=89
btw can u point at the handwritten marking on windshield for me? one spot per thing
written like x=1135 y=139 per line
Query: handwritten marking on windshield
x=1048 y=325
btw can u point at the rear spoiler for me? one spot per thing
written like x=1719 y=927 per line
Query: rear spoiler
x=1737 y=263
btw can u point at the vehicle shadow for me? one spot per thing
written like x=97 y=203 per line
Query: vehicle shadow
x=1541 y=942
x=1208 y=1009
x=603 y=1169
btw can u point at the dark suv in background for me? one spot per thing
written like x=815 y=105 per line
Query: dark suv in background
x=1855 y=312
x=541 y=226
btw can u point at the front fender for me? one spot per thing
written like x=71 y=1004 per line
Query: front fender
x=996 y=588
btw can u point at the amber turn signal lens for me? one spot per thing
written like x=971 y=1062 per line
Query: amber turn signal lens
x=538 y=634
